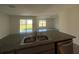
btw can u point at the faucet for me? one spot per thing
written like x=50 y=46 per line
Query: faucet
x=35 y=34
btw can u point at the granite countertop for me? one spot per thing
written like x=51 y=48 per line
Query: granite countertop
x=12 y=42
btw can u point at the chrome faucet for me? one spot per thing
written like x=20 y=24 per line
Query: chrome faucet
x=35 y=34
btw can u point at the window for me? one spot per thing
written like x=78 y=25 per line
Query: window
x=42 y=23
x=25 y=25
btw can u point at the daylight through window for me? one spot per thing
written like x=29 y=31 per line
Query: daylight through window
x=42 y=23
x=25 y=25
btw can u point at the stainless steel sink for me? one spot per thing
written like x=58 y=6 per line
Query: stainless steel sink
x=28 y=40
x=42 y=37
x=31 y=39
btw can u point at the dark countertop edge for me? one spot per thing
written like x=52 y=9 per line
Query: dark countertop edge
x=45 y=43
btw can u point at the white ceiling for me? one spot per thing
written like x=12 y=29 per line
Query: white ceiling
x=30 y=9
x=27 y=9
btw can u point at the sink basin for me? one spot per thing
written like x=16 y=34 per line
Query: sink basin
x=35 y=38
x=31 y=39
x=28 y=40
x=42 y=37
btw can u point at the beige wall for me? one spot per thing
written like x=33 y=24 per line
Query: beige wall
x=62 y=21
x=51 y=23
x=72 y=18
x=69 y=22
x=4 y=25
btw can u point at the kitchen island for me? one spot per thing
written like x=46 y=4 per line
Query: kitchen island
x=11 y=44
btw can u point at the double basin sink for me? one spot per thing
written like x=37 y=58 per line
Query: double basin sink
x=31 y=39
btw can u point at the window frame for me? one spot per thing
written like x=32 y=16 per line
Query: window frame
x=43 y=22
x=26 y=30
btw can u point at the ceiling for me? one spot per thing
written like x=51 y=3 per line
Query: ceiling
x=30 y=9
x=26 y=9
